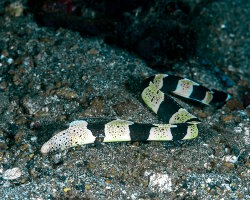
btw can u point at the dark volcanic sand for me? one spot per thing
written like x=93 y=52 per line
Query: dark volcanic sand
x=49 y=78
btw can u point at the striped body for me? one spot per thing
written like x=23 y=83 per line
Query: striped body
x=188 y=89
x=178 y=124
x=118 y=131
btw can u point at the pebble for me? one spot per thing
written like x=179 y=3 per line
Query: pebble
x=93 y=51
x=230 y=159
x=66 y=93
x=33 y=139
x=14 y=9
x=10 y=61
x=18 y=137
x=229 y=165
x=66 y=190
x=12 y=174
x=160 y=182
x=207 y=166
x=226 y=118
x=3 y=85
x=3 y=145
x=87 y=186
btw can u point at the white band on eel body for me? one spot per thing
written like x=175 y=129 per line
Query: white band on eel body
x=117 y=131
x=158 y=80
x=185 y=87
x=152 y=97
x=161 y=132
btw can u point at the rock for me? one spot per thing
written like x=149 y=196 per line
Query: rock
x=3 y=146
x=31 y=105
x=93 y=51
x=160 y=183
x=66 y=93
x=229 y=165
x=14 y=9
x=230 y=159
x=12 y=174
x=226 y=118
x=3 y=85
x=87 y=186
x=66 y=189
x=18 y=137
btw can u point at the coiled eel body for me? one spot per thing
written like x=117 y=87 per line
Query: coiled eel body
x=178 y=124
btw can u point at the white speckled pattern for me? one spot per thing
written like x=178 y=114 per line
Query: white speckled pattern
x=158 y=80
x=184 y=87
x=208 y=98
x=192 y=132
x=122 y=130
x=152 y=97
x=161 y=133
x=117 y=130
x=181 y=116
x=75 y=135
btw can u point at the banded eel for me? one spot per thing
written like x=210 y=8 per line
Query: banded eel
x=178 y=124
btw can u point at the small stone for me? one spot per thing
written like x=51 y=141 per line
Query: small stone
x=14 y=9
x=3 y=85
x=33 y=173
x=226 y=118
x=24 y=147
x=35 y=125
x=3 y=146
x=57 y=158
x=10 y=61
x=108 y=181
x=31 y=155
x=18 y=137
x=23 y=180
x=230 y=159
x=93 y=51
x=1 y=133
x=66 y=189
x=84 y=78
x=87 y=186
x=21 y=120
x=33 y=139
x=135 y=144
x=160 y=183
x=212 y=191
x=66 y=93
x=229 y=165
x=12 y=174
x=207 y=166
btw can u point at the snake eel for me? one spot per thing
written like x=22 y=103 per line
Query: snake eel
x=178 y=124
